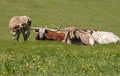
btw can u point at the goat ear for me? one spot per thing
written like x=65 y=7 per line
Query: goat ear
x=66 y=36
x=46 y=31
x=84 y=30
x=78 y=30
x=36 y=30
x=37 y=37
x=91 y=32
x=95 y=29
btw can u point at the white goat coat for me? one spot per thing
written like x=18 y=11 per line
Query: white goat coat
x=103 y=37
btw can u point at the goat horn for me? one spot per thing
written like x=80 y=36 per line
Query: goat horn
x=46 y=26
x=50 y=29
x=59 y=27
x=54 y=26
x=83 y=31
x=34 y=28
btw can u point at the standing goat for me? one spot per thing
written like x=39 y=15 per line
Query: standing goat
x=18 y=25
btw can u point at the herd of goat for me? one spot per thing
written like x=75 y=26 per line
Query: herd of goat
x=70 y=35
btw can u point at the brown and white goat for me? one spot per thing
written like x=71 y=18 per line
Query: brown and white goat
x=47 y=34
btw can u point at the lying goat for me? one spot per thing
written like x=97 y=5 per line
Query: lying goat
x=103 y=37
x=76 y=36
x=86 y=38
x=70 y=37
x=48 y=34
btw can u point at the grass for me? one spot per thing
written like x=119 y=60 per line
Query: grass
x=51 y=58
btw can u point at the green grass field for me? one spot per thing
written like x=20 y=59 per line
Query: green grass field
x=51 y=58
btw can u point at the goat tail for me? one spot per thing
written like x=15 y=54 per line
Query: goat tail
x=119 y=40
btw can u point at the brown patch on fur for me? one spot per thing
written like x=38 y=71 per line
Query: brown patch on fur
x=59 y=36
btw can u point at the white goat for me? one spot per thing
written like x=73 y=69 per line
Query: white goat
x=103 y=37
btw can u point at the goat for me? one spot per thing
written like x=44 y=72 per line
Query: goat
x=47 y=34
x=18 y=25
x=103 y=37
x=86 y=38
x=76 y=36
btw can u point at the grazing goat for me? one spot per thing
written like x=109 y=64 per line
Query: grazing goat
x=18 y=25
x=103 y=37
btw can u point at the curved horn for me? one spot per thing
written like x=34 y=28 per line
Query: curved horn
x=54 y=26
x=50 y=29
x=58 y=28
